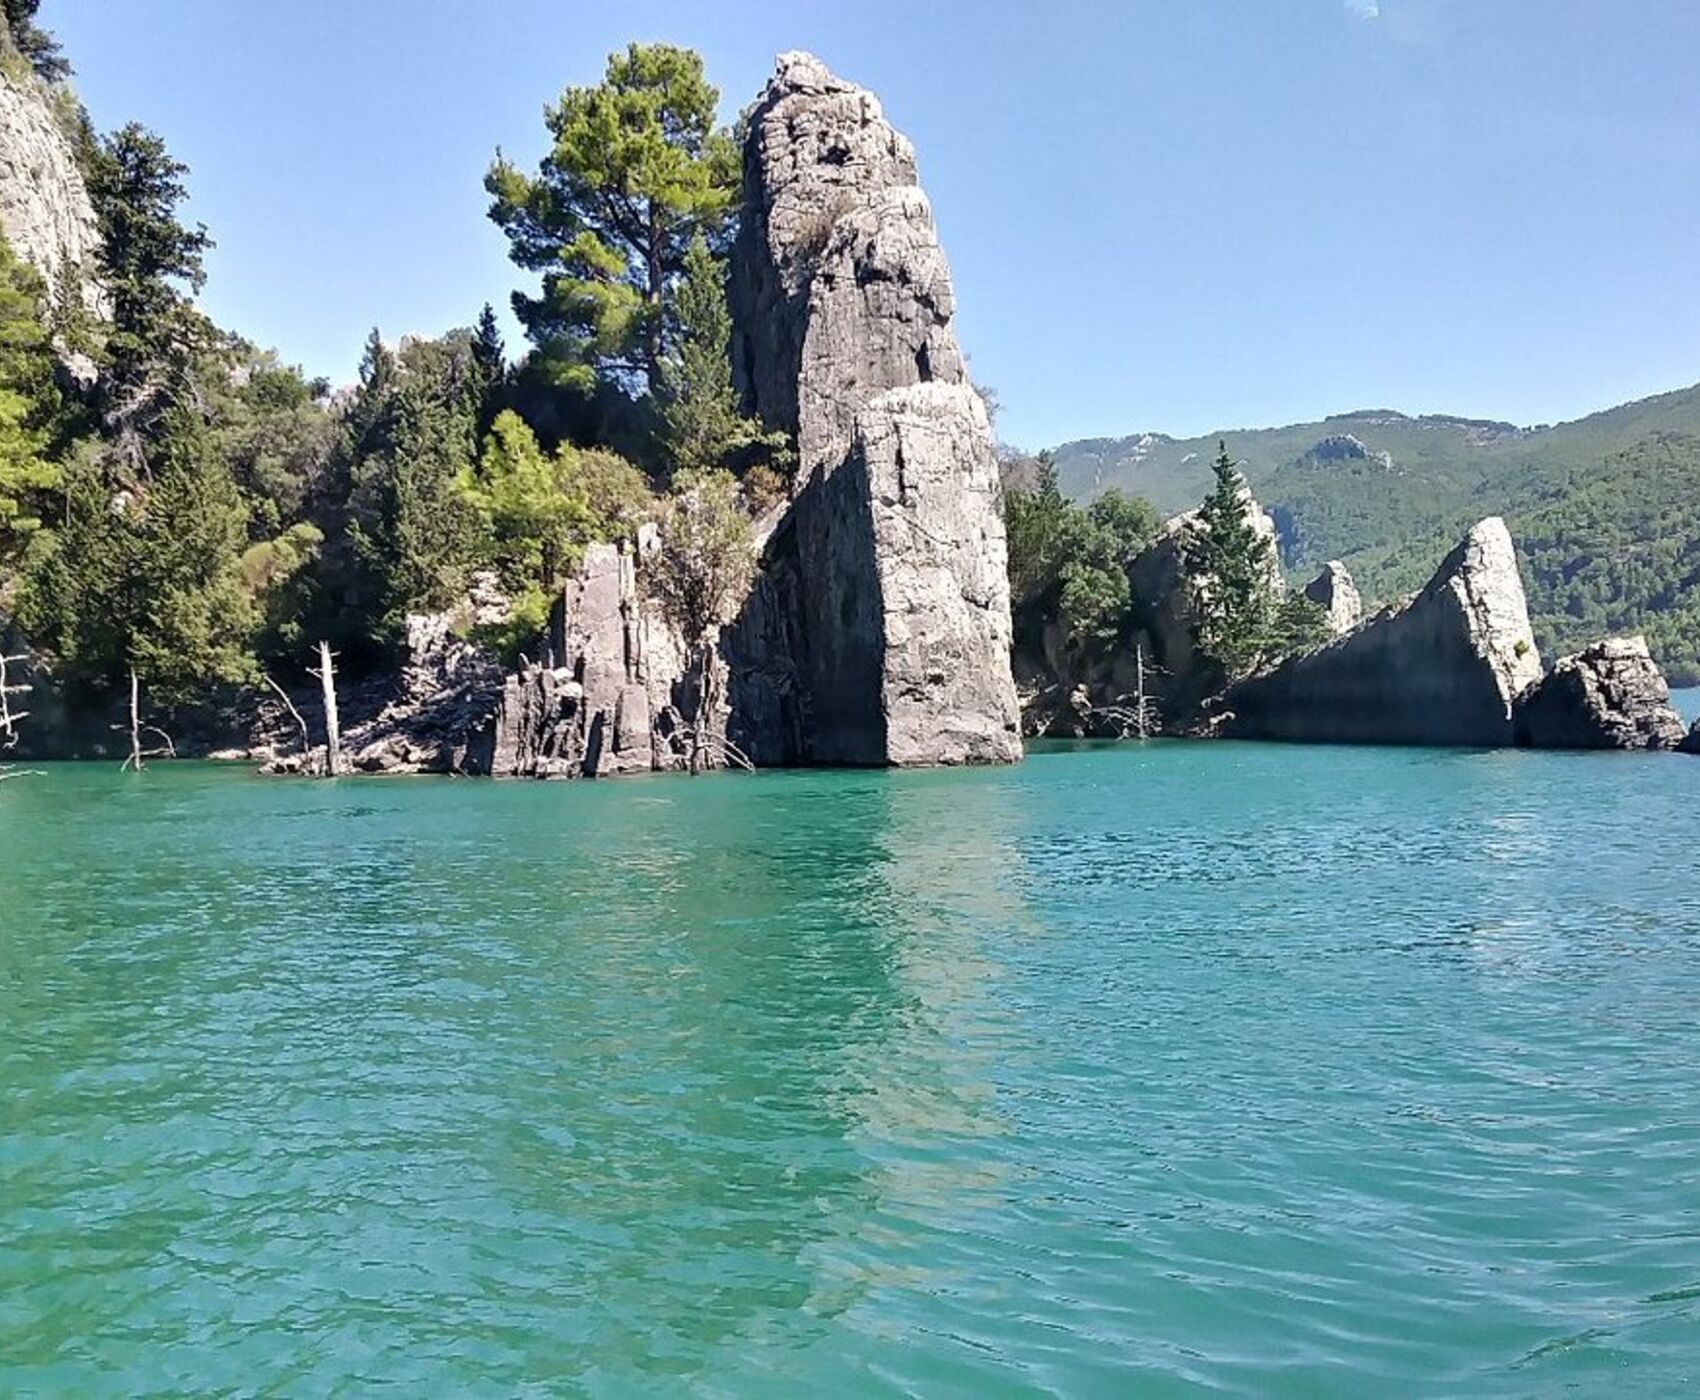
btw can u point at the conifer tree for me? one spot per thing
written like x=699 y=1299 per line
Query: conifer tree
x=151 y=264
x=29 y=405
x=147 y=578
x=35 y=43
x=489 y=368
x=702 y=427
x=637 y=169
x=1233 y=567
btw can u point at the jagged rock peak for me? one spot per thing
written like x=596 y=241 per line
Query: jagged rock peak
x=893 y=556
x=819 y=159
x=1610 y=695
x=1335 y=592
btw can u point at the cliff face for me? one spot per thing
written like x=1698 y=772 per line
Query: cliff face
x=45 y=211
x=893 y=560
x=1443 y=668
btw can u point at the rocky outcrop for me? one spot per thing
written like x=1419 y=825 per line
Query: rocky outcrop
x=435 y=720
x=1692 y=743
x=1442 y=668
x=1610 y=695
x=611 y=703
x=893 y=558
x=1165 y=603
x=1336 y=594
x=45 y=211
x=1344 y=447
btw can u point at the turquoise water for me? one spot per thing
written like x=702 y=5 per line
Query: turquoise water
x=1151 y=1070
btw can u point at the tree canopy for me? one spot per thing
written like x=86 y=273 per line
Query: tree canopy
x=636 y=171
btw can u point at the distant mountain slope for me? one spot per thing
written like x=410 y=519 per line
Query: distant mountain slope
x=1389 y=493
x=1174 y=473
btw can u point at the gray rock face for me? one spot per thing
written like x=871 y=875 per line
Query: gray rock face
x=436 y=719
x=45 y=211
x=612 y=703
x=1442 y=668
x=818 y=148
x=893 y=559
x=1337 y=595
x=1610 y=695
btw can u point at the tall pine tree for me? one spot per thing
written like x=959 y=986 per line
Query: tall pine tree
x=701 y=425
x=1234 y=572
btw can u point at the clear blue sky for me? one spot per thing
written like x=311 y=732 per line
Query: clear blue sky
x=1168 y=215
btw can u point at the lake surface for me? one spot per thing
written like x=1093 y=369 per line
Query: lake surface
x=1152 y=1070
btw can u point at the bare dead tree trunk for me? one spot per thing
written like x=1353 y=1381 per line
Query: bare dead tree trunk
x=333 y=723
x=1139 y=701
x=135 y=758
x=701 y=709
x=283 y=695
x=8 y=716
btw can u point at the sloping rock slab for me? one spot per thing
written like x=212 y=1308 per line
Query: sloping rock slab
x=1442 y=668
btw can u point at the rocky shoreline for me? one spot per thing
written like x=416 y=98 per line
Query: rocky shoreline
x=876 y=629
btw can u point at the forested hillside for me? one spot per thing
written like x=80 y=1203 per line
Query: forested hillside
x=1602 y=508
x=184 y=514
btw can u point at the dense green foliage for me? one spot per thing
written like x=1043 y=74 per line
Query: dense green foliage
x=29 y=406
x=1068 y=564
x=1392 y=511
x=637 y=170
x=202 y=513
x=702 y=426
x=147 y=578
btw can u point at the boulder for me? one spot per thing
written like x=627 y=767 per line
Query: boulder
x=1610 y=695
x=880 y=633
x=1444 y=667
x=1692 y=743
x=1337 y=595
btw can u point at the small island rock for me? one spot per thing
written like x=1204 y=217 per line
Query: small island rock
x=1610 y=695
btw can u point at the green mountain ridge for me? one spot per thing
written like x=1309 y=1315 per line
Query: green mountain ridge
x=1605 y=509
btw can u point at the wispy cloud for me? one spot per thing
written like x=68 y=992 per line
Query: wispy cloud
x=1363 y=9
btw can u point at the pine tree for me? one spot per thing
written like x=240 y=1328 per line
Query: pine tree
x=150 y=265
x=637 y=170
x=701 y=425
x=489 y=368
x=1233 y=568
x=147 y=578
x=35 y=43
x=29 y=405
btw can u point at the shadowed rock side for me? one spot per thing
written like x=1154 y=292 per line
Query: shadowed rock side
x=1442 y=668
x=892 y=564
x=1692 y=743
x=1610 y=695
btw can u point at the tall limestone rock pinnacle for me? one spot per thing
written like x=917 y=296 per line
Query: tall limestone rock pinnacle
x=1442 y=668
x=894 y=549
x=45 y=211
